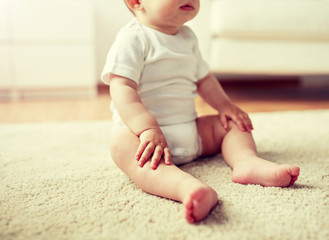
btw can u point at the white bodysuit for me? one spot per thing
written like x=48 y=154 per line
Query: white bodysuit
x=165 y=68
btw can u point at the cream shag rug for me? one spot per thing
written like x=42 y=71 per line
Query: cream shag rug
x=57 y=181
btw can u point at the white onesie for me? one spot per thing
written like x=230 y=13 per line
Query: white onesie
x=165 y=68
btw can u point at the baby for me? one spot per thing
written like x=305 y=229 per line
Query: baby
x=155 y=70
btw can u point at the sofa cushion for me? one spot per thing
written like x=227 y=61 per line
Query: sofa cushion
x=246 y=56
x=272 y=19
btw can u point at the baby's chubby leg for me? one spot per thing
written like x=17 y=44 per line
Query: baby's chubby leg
x=166 y=181
x=239 y=151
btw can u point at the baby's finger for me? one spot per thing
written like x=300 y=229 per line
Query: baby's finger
x=224 y=121
x=248 y=123
x=243 y=117
x=245 y=121
x=141 y=149
x=166 y=156
x=156 y=157
x=146 y=154
x=239 y=123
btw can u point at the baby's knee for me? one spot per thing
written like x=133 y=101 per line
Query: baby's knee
x=232 y=126
x=220 y=130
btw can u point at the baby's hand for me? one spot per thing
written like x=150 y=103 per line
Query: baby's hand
x=239 y=117
x=152 y=142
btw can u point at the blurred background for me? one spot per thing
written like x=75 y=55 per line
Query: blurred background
x=269 y=55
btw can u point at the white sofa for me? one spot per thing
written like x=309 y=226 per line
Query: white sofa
x=266 y=37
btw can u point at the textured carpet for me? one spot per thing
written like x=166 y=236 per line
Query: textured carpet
x=57 y=181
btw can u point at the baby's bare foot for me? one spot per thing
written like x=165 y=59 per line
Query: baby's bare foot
x=199 y=204
x=262 y=172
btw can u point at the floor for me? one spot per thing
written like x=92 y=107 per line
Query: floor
x=250 y=96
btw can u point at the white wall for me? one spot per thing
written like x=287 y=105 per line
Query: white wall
x=47 y=45
x=111 y=15
x=16 y=30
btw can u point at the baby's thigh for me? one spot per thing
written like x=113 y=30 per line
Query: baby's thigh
x=123 y=147
x=211 y=133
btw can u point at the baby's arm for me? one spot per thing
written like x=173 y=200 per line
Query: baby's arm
x=212 y=92
x=133 y=113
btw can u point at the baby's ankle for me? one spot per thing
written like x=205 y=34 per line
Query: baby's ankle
x=189 y=186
